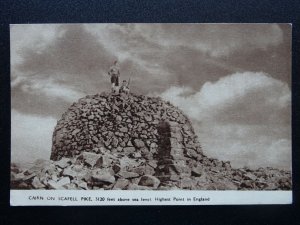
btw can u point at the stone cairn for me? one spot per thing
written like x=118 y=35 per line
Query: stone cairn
x=135 y=142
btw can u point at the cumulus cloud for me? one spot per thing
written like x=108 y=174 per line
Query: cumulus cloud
x=37 y=36
x=73 y=51
x=31 y=137
x=246 y=145
x=217 y=40
x=132 y=49
x=156 y=54
x=260 y=89
x=52 y=89
x=243 y=117
x=53 y=65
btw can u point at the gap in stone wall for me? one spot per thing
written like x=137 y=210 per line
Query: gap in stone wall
x=164 y=150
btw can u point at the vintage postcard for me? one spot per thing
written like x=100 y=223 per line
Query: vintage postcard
x=150 y=114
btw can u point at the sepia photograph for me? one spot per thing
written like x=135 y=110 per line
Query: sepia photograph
x=160 y=108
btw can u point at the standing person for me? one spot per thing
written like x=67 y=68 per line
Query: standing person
x=114 y=73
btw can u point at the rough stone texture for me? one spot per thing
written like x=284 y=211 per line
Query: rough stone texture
x=133 y=174
x=134 y=142
x=150 y=181
x=121 y=123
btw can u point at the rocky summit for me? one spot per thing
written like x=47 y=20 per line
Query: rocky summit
x=134 y=142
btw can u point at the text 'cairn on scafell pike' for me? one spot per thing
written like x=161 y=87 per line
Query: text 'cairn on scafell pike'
x=124 y=141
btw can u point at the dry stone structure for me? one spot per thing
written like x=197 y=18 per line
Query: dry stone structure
x=134 y=142
x=136 y=126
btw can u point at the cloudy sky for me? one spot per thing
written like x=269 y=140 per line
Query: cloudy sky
x=232 y=80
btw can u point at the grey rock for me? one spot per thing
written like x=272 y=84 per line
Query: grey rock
x=37 y=184
x=152 y=163
x=63 y=181
x=187 y=183
x=150 y=181
x=53 y=185
x=69 y=172
x=29 y=177
x=143 y=136
x=138 y=143
x=129 y=144
x=90 y=158
x=215 y=170
x=123 y=129
x=140 y=170
x=121 y=184
x=148 y=118
x=137 y=155
x=116 y=168
x=174 y=114
x=77 y=168
x=103 y=176
x=63 y=163
x=126 y=174
x=54 y=177
x=149 y=170
x=81 y=184
x=247 y=184
x=153 y=146
x=49 y=168
x=95 y=139
x=103 y=161
x=75 y=131
x=70 y=186
x=91 y=117
x=197 y=171
x=250 y=176
x=114 y=142
x=60 y=184
x=226 y=185
x=138 y=187
x=84 y=175
x=129 y=150
x=127 y=162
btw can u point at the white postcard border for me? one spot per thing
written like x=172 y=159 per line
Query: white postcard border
x=141 y=197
